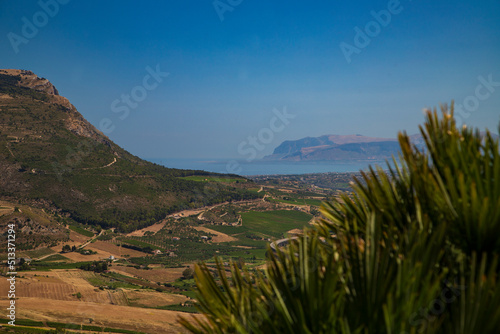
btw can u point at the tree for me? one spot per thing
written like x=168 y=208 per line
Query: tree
x=414 y=249
x=188 y=273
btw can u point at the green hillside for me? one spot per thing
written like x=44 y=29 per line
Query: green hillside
x=51 y=157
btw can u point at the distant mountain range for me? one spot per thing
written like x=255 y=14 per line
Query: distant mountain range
x=339 y=148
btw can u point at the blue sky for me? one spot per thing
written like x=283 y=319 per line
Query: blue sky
x=231 y=66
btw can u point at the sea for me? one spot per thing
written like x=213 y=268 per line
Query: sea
x=262 y=167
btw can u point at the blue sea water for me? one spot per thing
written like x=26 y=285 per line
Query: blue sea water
x=266 y=167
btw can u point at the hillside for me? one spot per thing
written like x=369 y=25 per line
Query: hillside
x=52 y=158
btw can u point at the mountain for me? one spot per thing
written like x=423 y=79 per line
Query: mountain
x=336 y=148
x=343 y=148
x=52 y=158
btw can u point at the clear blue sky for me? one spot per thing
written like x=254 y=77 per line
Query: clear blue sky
x=226 y=76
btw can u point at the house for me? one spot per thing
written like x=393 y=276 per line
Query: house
x=176 y=238
x=204 y=237
x=157 y=252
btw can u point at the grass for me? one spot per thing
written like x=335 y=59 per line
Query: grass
x=274 y=223
x=24 y=322
x=26 y=330
x=141 y=244
x=299 y=201
x=229 y=230
x=36 y=253
x=265 y=225
x=47 y=265
x=90 y=328
x=55 y=257
x=189 y=293
x=315 y=202
x=202 y=178
x=188 y=309
x=98 y=280
x=81 y=231
x=24 y=326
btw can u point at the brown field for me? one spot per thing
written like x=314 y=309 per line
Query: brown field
x=77 y=257
x=64 y=284
x=59 y=285
x=112 y=249
x=76 y=239
x=153 y=298
x=104 y=250
x=125 y=317
x=51 y=296
x=162 y=275
x=4 y=209
x=219 y=236
x=153 y=228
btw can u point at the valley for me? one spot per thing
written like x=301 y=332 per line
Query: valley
x=106 y=241
x=149 y=271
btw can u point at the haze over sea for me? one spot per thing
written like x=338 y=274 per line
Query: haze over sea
x=261 y=167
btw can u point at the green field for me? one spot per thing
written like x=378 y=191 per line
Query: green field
x=188 y=309
x=141 y=244
x=298 y=201
x=29 y=326
x=81 y=231
x=47 y=265
x=36 y=253
x=55 y=257
x=202 y=178
x=110 y=281
x=274 y=223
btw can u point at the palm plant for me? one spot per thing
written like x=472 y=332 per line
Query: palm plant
x=413 y=249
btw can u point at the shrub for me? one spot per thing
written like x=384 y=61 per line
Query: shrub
x=413 y=249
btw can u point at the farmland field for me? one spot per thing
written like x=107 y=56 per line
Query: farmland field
x=300 y=201
x=108 y=248
x=267 y=223
x=275 y=223
x=154 y=275
x=202 y=178
x=115 y=316
x=55 y=257
x=82 y=231
x=140 y=286
x=37 y=253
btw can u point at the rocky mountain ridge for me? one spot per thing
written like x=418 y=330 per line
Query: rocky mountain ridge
x=51 y=155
